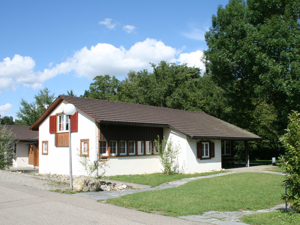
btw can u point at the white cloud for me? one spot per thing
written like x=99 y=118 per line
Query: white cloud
x=108 y=23
x=192 y=59
x=100 y=59
x=129 y=28
x=5 y=108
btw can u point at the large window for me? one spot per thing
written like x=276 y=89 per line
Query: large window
x=226 y=147
x=123 y=148
x=62 y=123
x=84 y=147
x=45 y=147
x=103 y=147
x=205 y=149
x=131 y=147
x=140 y=147
x=148 y=147
x=113 y=147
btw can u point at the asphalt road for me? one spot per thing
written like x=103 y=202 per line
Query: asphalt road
x=21 y=204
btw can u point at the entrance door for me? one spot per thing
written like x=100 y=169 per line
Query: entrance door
x=36 y=155
x=31 y=155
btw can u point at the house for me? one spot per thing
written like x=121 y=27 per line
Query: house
x=124 y=133
x=26 y=149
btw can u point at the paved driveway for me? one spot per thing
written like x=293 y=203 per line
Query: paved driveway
x=21 y=204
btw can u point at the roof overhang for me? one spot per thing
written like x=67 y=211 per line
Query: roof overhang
x=227 y=138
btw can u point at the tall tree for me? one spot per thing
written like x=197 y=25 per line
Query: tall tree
x=30 y=112
x=253 y=53
x=103 y=87
x=7 y=120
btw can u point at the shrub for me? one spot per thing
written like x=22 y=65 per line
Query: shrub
x=291 y=160
x=7 y=142
x=168 y=153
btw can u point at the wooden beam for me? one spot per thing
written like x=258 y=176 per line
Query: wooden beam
x=247 y=160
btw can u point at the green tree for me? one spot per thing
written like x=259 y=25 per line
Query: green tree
x=7 y=142
x=7 y=120
x=30 y=112
x=103 y=87
x=253 y=53
x=291 y=159
x=70 y=93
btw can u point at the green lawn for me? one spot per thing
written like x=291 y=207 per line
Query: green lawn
x=156 y=179
x=273 y=218
x=233 y=192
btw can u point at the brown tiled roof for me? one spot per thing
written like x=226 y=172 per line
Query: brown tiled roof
x=194 y=124
x=23 y=133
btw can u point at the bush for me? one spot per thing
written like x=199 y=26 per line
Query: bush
x=7 y=142
x=168 y=153
x=291 y=160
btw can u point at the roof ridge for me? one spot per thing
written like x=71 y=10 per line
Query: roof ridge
x=62 y=96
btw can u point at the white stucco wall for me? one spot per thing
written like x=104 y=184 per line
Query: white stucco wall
x=22 y=155
x=195 y=165
x=57 y=160
x=133 y=165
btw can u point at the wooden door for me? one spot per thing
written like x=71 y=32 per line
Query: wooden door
x=36 y=155
x=31 y=155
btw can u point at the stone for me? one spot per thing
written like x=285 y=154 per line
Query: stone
x=78 y=185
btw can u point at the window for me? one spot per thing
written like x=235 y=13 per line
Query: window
x=84 y=147
x=148 y=147
x=155 y=149
x=205 y=149
x=140 y=147
x=123 y=148
x=226 y=148
x=63 y=123
x=131 y=147
x=45 y=147
x=113 y=147
x=103 y=148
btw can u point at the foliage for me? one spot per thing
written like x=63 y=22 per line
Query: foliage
x=70 y=93
x=155 y=179
x=90 y=167
x=7 y=142
x=104 y=87
x=291 y=159
x=232 y=192
x=168 y=155
x=6 y=120
x=273 y=218
x=30 y=112
x=255 y=55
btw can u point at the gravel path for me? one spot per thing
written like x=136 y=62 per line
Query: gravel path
x=31 y=181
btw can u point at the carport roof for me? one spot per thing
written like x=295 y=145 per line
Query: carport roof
x=23 y=133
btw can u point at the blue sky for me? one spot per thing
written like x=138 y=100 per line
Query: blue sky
x=63 y=45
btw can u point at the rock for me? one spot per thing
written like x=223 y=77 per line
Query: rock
x=102 y=182
x=78 y=184
x=86 y=184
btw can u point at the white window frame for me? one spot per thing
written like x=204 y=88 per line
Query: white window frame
x=224 y=148
x=82 y=147
x=142 y=145
x=114 y=154
x=65 y=118
x=45 y=143
x=125 y=148
x=203 y=150
x=101 y=154
x=134 y=147
x=147 y=146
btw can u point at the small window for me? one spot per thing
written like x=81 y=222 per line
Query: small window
x=63 y=123
x=45 y=147
x=148 y=147
x=113 y=147
x=131 y=147
x=140 y=147
x=123 y=148
x=84 y=147
x=103 y=148
x=205 y=149
x=226 y=148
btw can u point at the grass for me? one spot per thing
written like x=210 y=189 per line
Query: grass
x=273 y=218
x=233 y=192
x=156 y=179
x=66 y=191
